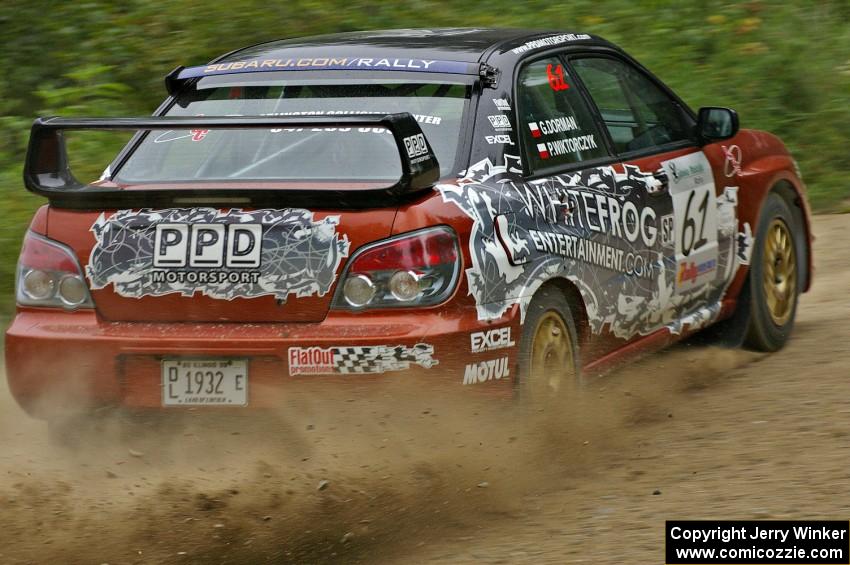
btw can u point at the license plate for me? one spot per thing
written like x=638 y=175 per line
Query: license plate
x=204 y=382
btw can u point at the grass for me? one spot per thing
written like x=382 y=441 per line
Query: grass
x=785 y=66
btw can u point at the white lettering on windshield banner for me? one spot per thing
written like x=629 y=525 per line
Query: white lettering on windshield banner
x=198 y=135
x=331 y=64
x=421 y=118
x=550 y=41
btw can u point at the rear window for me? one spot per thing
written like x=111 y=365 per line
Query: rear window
x=310 y=154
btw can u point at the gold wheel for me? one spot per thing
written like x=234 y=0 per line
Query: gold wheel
x=779 y=277
x=552 y=366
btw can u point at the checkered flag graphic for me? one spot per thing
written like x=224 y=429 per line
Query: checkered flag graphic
x=381 y=359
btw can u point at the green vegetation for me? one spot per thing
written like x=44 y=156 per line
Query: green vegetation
x=785 y=66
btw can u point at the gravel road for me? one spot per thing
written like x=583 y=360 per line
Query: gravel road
x=395 y=476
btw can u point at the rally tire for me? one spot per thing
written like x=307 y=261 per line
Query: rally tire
x=774 y=277
x=549 y=354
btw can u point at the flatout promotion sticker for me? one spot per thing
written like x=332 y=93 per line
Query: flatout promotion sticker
x=359 y=359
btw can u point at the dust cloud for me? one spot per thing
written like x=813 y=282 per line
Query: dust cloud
x=365 y=475
x=394 y=473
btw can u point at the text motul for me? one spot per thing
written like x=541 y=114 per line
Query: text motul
x=493 y=369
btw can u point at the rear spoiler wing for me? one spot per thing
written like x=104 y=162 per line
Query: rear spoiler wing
x=47 y=171
x=180 y=76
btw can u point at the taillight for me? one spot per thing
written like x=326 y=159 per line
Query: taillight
x=49 y=275
x=416 y=269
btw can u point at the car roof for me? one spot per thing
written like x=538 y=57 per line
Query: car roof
x=457 y=44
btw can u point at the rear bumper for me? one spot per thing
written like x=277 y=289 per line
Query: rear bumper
x=76 y=360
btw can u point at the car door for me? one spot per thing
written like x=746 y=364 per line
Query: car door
x=596 y=222
x=653 y=132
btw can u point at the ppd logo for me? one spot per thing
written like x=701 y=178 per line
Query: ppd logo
x=416 y=145
x=208 y=245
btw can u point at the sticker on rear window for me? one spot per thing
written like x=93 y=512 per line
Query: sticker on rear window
x=223 y=255
x=557 y=81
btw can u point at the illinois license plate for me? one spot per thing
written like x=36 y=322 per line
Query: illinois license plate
x=204 y=382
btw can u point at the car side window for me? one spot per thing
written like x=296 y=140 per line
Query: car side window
x=637 y=112
x=558 y=127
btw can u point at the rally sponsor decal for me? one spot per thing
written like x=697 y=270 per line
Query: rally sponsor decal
x=491 y=370
x=500 y=122
x=220 y=254
x=668 y=231
x=697 y=213
x=167 y=136
x=420 y=118
x=502 y=104
x=415 y=145
x=321 y=62
x=734 y=158
x=626 y=249
x=370 y=359
x=417 y=148
x=691 y=274
x=550 y=41
x=501 y=139
x=491 y=340
x=595 y=253
x=745 y=244
x=330 y=64
x=727 y=225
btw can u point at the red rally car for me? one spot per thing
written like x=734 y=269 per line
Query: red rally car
x=497 y=208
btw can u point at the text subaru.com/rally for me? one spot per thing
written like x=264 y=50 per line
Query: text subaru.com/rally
x=448 y=207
